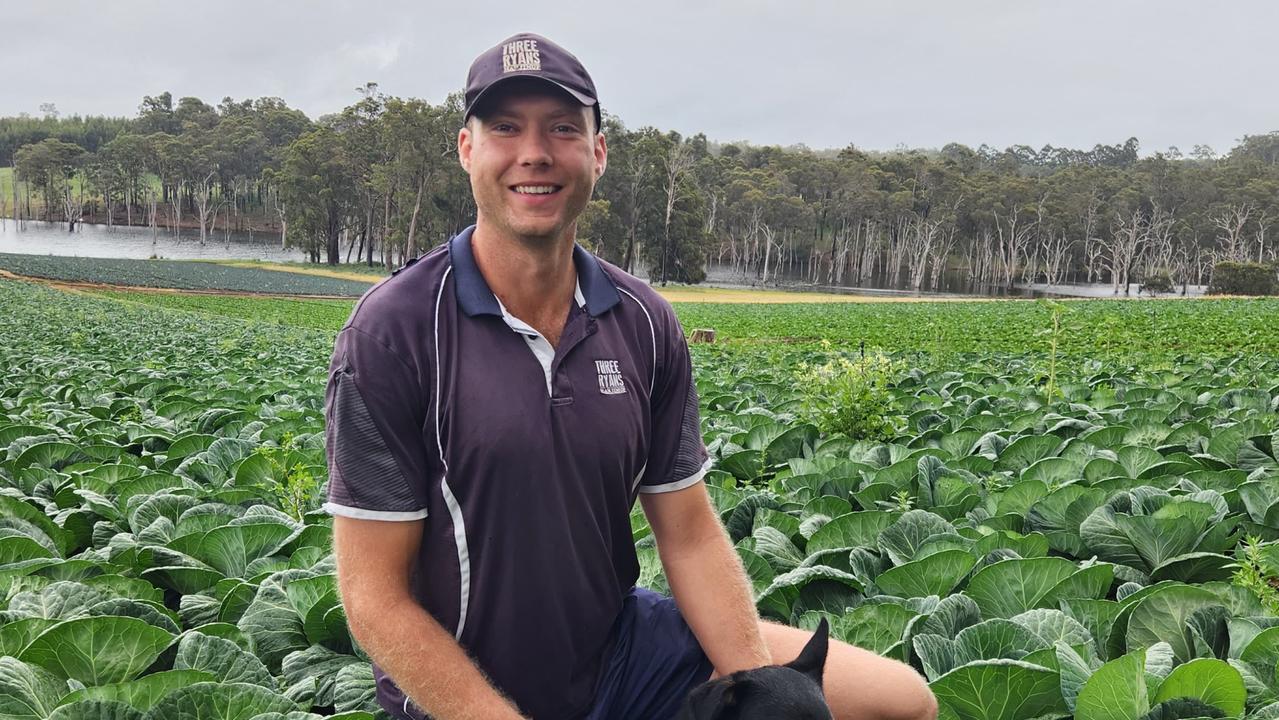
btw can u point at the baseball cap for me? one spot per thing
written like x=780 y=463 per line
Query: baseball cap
x=529 y=55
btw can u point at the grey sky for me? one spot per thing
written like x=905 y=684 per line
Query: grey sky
x=822 y=73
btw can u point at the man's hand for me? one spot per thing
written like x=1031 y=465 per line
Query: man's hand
x=706 y=578
x=374 y=561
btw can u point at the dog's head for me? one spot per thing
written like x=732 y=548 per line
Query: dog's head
x=778 y=692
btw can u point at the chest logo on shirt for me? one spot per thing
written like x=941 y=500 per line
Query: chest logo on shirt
x=610 y=376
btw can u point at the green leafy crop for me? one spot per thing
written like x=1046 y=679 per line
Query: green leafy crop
x=1105 y=549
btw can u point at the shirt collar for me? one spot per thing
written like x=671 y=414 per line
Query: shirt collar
x=595 y=289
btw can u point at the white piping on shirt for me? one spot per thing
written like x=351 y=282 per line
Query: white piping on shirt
x=455 y=509
x=652 y=377
x=689 y=481
x=362 y=514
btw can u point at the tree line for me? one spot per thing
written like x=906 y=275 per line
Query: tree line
x=378 y=183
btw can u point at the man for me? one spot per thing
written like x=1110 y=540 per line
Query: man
x=493 y=412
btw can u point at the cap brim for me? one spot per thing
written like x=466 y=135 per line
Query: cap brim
x=584 y=99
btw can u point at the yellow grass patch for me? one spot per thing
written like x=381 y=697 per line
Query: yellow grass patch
x=285 y=267
x=685 y=293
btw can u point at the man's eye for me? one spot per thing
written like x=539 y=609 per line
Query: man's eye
x=566 y=128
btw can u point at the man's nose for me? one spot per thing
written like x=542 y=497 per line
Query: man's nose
x=535 y=149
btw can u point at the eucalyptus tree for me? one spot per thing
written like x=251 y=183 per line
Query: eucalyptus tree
x=155 y=115
x=369 y=156
x=600 y=230
x=763 y=212
x=675 y=163
x=173 y=163
x=632 y=188
x=319 y=184
x=51 y=166
x=107 y=178
x=133 y=155
x=425 y=162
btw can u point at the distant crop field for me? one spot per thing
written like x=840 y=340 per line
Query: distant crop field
x=183 y=275
x=1135 y=330
x=1101 y=328
x=326 y=315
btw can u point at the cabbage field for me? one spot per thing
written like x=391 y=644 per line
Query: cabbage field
x=178 y=274
x=1045 y=533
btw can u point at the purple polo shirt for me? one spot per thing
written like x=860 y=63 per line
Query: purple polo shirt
x=524 y=460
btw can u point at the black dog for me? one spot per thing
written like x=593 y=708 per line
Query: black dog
x=776 y=692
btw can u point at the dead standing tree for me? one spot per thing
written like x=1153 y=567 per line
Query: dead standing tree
x=206 y=209
x=72 y=205
x=872 y=240
x=282 y=212
x=1263 y=223
x=941 y=253
x=921 y=246
x=1032 y=265
x=1127 y=235
x=1231 y=241
x=152 y=207
x=13 y=185
x=1014 y=235
x=844 y=238
x=677 y=162
x=637 y=170
x=1094 y=252
x=1159 y=241
x=1057 y=253
x=175 y=202
x=1094 y=247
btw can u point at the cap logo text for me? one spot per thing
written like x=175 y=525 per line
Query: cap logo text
x=521 y=55
x=610 y=377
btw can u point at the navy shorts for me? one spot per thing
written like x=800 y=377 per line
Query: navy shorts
x=655 y=662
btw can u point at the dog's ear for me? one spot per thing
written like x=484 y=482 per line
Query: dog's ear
x=812 y=659
x=716 y=700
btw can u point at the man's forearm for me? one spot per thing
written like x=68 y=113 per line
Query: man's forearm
x=714 y=596
x=428 y=664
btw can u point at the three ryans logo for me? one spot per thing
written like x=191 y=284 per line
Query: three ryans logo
x=610 y=376
x=521 y=55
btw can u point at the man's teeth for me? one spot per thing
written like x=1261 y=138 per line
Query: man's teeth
x=535 y=189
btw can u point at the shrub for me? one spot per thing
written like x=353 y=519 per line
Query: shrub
x=1158 y=281
x=852 y=396
x=1232 y=278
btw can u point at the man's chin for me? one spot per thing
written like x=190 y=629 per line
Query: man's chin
x=540 y=232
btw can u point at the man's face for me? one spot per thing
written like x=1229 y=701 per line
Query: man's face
x=533 y=155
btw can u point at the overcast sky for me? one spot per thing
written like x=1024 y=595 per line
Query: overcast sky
x=877 y=74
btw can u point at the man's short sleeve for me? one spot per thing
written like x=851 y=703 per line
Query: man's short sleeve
x=374 y=413
x=677 y=457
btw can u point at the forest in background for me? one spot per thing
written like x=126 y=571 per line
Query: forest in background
x=378 y=183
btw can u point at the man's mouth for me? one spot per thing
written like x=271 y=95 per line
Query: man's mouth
x=536 y=189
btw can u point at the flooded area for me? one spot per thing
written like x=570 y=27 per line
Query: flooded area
x=122 y=241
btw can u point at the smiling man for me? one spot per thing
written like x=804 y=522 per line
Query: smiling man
x=493 y=413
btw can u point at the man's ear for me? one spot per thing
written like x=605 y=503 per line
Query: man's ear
x=601 y=155
x=716 y=700
x=812 y=659
x=464 y=148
